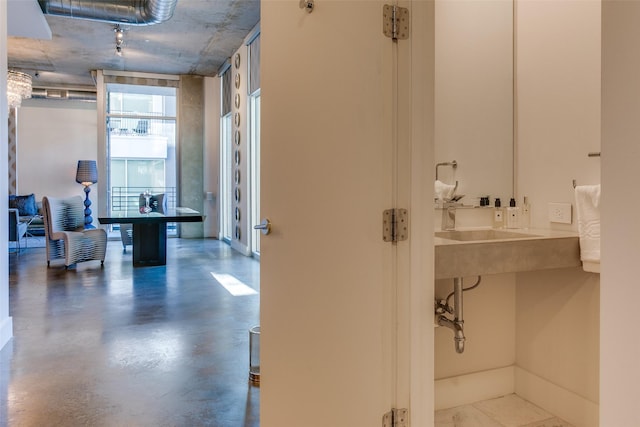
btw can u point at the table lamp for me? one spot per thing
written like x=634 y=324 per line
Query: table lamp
x=86 y=175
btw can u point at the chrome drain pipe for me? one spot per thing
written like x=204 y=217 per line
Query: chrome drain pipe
x=457 y=324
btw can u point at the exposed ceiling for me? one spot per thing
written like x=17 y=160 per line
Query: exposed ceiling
x=198 y=39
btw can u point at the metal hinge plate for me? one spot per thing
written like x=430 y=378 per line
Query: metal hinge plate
x=396 y=418
x=395 y=22
x=395 y=225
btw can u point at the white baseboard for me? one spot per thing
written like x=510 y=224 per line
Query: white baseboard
x=240 y=247
x=574 y=409
x=6 y=331
x=470 y=388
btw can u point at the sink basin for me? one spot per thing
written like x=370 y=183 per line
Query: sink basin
x=472 y=252
x=479 y=235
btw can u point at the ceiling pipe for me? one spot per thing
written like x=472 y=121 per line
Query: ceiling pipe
x=63 y=94
x=130 y=12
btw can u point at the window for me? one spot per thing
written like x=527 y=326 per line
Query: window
x=254 y=116
x=141 y=143
x=226 y=195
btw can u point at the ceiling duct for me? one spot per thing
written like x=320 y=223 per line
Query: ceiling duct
x=63 y=94
x=131 y=12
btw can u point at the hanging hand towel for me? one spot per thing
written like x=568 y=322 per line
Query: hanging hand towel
x=444 y=191
x=588 y=213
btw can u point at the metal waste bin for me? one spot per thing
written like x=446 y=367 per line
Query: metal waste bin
x=254 y=355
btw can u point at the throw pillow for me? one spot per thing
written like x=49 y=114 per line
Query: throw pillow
x=26 y=205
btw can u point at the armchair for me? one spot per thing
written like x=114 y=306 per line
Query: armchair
x=65 y=233
x=17 y=229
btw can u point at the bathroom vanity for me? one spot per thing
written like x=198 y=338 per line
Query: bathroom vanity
x=468 y=252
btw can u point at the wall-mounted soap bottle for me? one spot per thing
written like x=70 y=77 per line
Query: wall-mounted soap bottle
x=525 y=218
x=498 y=214
x=513 y=215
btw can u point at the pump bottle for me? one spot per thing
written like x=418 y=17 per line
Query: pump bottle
x=498 y=214
x=513 y=214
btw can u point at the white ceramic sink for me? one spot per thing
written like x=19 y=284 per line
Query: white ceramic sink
x=481 y=235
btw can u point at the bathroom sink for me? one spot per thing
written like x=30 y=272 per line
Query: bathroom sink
x=470 y=252
x=480 y=235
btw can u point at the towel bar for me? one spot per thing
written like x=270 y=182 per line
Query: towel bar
x=453 y=164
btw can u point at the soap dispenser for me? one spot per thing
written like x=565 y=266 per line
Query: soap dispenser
x=498 y=214
x=513 y=214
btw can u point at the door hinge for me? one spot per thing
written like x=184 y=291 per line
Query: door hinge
x=395 y=22
x=396 y=418
x=395 y=225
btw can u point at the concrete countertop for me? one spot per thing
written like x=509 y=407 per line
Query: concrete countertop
x=544 y=249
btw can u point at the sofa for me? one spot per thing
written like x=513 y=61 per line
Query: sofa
x=17 y=230
x=29 y=212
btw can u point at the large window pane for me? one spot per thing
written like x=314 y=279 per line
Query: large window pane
x=141 y=138
x=255 y=169
x=226 y=195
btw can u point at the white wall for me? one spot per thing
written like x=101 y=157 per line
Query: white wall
x=52 y=136
x=558 y=124
x=558 y=341
x=6 y=323
x=558 y=101
x=489 y=326
x=619 y=346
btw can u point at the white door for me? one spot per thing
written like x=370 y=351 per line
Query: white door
x=329 y=295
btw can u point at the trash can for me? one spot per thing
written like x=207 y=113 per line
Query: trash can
x=254 y=355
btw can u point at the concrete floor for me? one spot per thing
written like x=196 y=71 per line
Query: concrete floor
x=153 y=346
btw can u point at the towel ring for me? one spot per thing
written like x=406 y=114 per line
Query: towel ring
x=453 y=164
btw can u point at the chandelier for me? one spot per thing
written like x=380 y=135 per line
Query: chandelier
x=18 y=87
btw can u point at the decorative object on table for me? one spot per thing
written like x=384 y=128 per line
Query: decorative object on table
x=154 y=202
x=67 y=237
x=18 y=88
x=86 y=175
x=146 y=208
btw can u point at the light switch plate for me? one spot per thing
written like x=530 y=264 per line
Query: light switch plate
x=560 y=213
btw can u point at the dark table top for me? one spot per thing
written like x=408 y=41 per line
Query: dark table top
x=137 y=217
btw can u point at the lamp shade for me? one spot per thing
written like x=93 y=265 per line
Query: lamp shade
x=87 y=173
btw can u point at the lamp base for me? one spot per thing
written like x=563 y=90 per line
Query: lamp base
x=88 y=220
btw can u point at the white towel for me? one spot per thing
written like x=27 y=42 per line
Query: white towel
x=588 y=214
x=444 y=191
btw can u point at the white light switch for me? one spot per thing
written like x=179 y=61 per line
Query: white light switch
x=560 y=213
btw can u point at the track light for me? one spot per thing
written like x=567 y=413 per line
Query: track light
x=119 y=39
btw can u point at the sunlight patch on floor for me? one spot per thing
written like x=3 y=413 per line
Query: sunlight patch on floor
x=234 y=286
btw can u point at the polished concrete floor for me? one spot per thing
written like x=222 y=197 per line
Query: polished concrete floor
x=124 y=346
